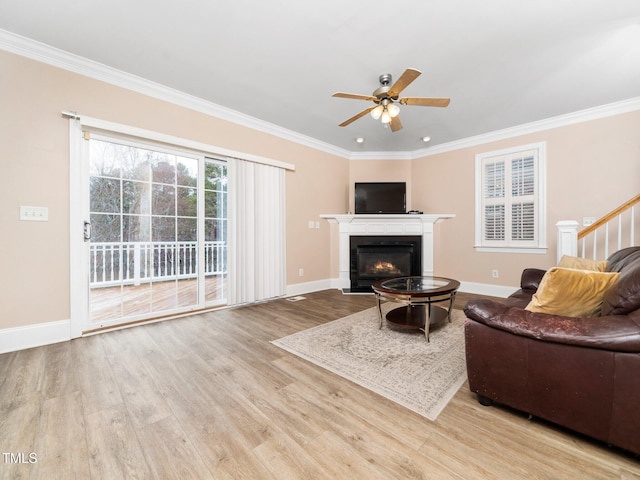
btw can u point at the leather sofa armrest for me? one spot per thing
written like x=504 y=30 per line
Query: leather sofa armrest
x=615 y=333
x=531 y=278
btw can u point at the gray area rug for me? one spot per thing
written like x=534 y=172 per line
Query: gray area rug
x=400 y=366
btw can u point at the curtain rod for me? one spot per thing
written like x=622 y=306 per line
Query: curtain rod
x=73 y=115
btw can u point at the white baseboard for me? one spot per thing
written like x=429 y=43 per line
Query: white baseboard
x=468 y=287
x=21 y=338
x=502 y=291
x=308 y=287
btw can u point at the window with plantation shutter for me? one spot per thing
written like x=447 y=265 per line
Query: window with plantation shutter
x=510 y=210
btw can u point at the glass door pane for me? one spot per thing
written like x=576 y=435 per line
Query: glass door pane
x=144 y=242
x=215 y=231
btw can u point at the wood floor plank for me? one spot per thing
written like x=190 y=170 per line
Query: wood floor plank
x=19 y=421
x=169 y=452
x=340 y=460
x=61 y=443
x=287 y=460
x=140 y=393
x=114 y=448
x=223 y=451
x=59 y=375
x=511 y=457
x=372 y=439
x=24 y=372
x=95 y=377
x=348 y=399
x=208 y=396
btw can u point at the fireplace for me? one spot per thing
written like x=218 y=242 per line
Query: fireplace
x=349 y=225
x=375 y=258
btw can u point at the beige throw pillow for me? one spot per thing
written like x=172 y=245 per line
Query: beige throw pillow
x=568 y=261
x=572 y=293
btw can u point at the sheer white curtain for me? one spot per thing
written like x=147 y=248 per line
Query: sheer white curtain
x=256 y=236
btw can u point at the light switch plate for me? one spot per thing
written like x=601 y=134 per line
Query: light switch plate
x=34 y=214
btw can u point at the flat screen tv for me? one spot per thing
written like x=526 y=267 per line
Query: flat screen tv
x=381 y=197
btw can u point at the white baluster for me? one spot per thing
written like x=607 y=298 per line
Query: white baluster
x=619 y=232
x=632 y=227
x=136 y=263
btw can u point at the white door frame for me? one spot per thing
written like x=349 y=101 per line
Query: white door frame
x=79 y=196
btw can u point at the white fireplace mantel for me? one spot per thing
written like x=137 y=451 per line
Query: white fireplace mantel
x=385 y=224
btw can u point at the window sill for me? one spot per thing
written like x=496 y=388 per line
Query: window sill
x=534 y=250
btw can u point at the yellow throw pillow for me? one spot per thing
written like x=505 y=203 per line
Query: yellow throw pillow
x=568 y=261
x=572 y=293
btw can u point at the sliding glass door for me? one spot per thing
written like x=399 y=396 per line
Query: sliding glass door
x=215 y=231
x=157 y=243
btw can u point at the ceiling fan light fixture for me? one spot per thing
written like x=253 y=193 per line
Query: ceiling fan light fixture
x=386 y=99
x=377 y=112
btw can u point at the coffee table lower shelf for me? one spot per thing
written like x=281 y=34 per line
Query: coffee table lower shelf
x=414 y=317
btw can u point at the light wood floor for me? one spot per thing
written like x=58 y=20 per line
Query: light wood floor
x=209 y=397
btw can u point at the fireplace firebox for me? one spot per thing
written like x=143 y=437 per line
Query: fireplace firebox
x=374 y=258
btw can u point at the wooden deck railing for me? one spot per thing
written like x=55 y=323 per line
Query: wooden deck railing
x=133 y=263
x=614 y=231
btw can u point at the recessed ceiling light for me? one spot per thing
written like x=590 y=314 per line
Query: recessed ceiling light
x=360 y=140
x=425 y=139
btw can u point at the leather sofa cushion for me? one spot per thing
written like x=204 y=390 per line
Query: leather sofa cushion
x=572 y=293
x=624 y=297
x=531 y=278
x=568 y=261
x=622 y=258
x=616 y=333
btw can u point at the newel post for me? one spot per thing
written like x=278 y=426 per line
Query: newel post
x=567 y=238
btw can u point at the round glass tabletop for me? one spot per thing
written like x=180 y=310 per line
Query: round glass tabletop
x=417 y=285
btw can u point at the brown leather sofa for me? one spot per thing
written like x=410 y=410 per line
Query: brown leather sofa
x=580 y=373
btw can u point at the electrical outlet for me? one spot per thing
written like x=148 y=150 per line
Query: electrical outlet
x=311 y=224
x=301 y=272
x=495 y=273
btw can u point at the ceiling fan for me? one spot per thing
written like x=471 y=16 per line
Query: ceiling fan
x=386 y=99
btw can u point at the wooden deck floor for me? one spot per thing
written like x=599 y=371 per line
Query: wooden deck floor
x=110 y=303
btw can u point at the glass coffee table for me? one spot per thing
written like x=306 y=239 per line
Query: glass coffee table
x=417 y=294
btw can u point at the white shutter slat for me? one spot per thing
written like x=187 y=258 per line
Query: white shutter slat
x=494 y=222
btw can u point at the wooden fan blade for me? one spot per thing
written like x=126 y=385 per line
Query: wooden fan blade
x=356 y=117
x=403 y=82
x=425 y=102
x=354 y=96
x=395 y=124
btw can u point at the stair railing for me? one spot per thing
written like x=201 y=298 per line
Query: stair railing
x=617 y=228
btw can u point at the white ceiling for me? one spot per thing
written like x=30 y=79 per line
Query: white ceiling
x=503 y=63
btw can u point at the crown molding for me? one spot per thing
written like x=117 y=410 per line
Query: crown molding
x=41 y=52
x=594 y=113
x=47 y=54
x=581 y=116
x=399 y=155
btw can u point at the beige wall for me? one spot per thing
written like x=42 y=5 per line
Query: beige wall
x=34 y=156
x=592 y=167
